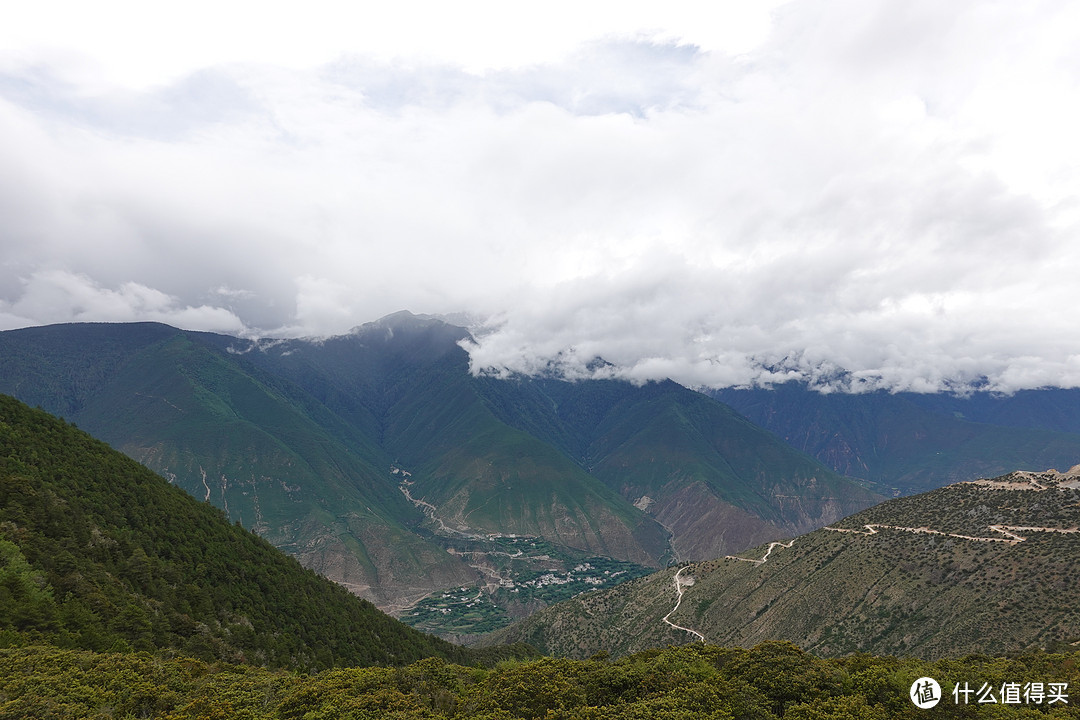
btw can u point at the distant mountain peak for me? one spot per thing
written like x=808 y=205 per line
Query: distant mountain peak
x=404 y=329
x=403 y=320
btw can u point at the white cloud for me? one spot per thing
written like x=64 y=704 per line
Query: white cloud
x=877 y=193
x=138 y=44
x=52 y=296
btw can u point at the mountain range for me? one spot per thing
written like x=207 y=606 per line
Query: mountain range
x=377 y=453
x=377 y=459
x=908 y=442
x=99 y=553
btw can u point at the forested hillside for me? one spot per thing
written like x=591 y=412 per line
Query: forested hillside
x=99 y=553
x=773 y=680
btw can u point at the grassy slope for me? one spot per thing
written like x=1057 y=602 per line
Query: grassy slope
x=836 y=593
x=98 y=552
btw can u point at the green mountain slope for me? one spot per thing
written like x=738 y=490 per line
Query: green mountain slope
x=1044 y=408
x=379 y=460
x=61 y=367
x=991 y=567
x=906 y=443
x=255 y=445
x=481 y=475
x=715 y=481
x=482 y=447
x=97 y=552
x=701 y=466
x=487 y=475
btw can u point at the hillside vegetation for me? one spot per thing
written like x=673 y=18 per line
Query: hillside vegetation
x=773 y=680
x=377 y=459
x=99 y=553
x=988 y=566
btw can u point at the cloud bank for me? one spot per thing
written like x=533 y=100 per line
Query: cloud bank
x=875 y=194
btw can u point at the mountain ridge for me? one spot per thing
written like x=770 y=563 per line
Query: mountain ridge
x=904 y=443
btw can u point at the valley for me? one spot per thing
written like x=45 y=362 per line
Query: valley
x=518 y=574
x=125 y=595
x=294 y=438
x=464 y=503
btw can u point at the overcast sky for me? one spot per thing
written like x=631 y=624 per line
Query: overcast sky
x=884 y=191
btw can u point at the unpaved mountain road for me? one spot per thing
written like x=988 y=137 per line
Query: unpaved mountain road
x=679 y=583
x=1009 y=531
x=1038 y=482
x=765 y=557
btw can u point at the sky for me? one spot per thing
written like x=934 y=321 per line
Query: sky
x=860 y=194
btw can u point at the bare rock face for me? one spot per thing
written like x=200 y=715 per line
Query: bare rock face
x=703 y=526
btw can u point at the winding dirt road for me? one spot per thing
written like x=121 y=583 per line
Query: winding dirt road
x=765 y=557
x=1009 y=531
x=679 y=583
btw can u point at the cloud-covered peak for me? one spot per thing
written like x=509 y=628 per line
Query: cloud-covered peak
x=871 y=194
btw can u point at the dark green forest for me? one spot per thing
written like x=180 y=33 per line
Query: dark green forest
x=772 y=680
x=99 y=553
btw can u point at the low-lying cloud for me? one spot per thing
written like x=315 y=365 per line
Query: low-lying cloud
x=880 y=195
x=58 y=296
